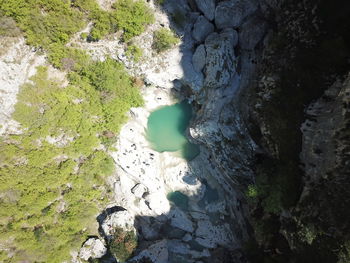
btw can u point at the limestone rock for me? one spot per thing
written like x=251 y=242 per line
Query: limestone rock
x=209 y=235
x=138 y=190
x=207 y=7
x=251 y=33
x=180 y=220
x=220 y=60
x=201 y=29
x=231 y=13
x=92 y=248
x=157 y=253
x=120 y=219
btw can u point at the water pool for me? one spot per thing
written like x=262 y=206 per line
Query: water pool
x=166 y=130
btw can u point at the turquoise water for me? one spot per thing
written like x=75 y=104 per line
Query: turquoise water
x=166 y=130
x=179 y=199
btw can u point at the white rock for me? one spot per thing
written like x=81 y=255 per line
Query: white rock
x=17 y=65
x=138 y=190
x=121 y=219
x=92 y=248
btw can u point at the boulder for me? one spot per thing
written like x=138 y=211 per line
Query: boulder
x=157 y=253
x=220 y=62
x=92 y=248
x=120 y=219
x=198 y=59
x=251 y=33
x=207 y=7
x=231 y=13
x=201 y=29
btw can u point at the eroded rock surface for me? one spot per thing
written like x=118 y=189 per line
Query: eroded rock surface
x=207 y=7
x=232 y=13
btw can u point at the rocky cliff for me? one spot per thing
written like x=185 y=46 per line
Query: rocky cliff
x=268 y=82
x=299 y=111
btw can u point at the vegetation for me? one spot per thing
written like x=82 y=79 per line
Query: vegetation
x=52 y=174
x=46 y=23
x=163 y=39
x=132 y=17
x=123 y=244
x=134 y=52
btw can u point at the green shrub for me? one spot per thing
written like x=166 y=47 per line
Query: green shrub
x=132 y=17
x=164 y=39
x=123 y=244
x=134 y=52
x=51 y=192
x=84 y=36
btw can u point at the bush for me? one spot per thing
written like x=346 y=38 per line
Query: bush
x=123 y=244
x=134 y=52
x=132 y=17
x=164 y=39
x=51 y=192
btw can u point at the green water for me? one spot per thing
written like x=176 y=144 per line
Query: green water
x=166 y=130
x=179 y=199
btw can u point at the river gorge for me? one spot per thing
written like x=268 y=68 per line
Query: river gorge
x=239 y=151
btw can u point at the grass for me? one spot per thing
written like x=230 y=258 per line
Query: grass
x=164 y=39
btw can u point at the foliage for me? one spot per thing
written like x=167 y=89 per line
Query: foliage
x=132 y=17
x=123 y=244
x=44 y=22
x=164 y=39
x=134 y=52
x=50 y=191
x=51 y=23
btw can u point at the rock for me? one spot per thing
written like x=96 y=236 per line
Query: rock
x=180 y=220
x=148 y=227
x=18 y=63
x=92 y=248
x=210 y=236
x=251 y=33
x=157 y=253
x=231 y=13
x=201 y=29
x=207 y=7
x=198 y=58
x=138 y=190
x=120 y=219
x=220 y=62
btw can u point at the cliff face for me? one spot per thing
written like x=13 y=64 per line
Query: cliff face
x=299 y=109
